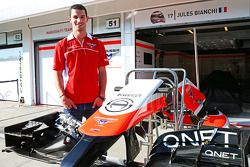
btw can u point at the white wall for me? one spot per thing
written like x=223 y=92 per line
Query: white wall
x=16 y=10
x=12 y=26
x=28 y=58
x=115 y=6
x=28 y=61
x=26 y=8
x=99 y=24
x=128 y=43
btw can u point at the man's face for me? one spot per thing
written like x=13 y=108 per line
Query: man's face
x=78 y=19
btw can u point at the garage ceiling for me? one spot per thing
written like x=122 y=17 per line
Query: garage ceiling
x=209 y=38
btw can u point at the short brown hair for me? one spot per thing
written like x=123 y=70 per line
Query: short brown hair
x=78 y=6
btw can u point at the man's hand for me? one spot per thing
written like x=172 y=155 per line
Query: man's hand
x=67 y=103
x=98 y=102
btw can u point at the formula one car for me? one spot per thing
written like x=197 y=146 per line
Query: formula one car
x=59 y=138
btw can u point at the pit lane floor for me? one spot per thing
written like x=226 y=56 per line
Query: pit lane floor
x=12 y=113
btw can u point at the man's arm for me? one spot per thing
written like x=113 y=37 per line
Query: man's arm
x=59 y=82
x=67 y=103
x=102 y=86
x=102 y=81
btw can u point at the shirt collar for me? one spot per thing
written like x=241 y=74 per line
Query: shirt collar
x=71 y=36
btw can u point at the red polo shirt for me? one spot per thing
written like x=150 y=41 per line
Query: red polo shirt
x=80 y=62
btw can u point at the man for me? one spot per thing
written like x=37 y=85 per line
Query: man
x=83 y=58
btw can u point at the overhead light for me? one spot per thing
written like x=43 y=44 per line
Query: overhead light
x=158 y=33
x=226 y=29
x=190 y=31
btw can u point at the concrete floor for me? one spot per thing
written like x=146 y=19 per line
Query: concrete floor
x=11 y=113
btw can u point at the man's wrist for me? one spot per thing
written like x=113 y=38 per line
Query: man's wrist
x=101 y=97
x=61 y=95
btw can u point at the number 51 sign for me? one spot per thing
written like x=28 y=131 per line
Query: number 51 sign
x=113 y=23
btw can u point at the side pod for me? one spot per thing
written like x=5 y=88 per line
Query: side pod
x=210 y=147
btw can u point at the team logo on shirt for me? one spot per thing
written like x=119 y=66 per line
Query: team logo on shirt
x=91 y=45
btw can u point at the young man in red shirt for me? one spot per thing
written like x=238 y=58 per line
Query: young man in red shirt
x=83 y=58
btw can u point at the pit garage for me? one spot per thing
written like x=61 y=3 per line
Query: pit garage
x=222 y=49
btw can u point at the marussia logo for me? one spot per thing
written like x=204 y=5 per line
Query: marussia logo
x=102 y=122
x=157 y=17
x=105 y=120
x=91 y=45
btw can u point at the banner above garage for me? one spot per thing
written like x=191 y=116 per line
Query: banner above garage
x=55 y=31
x=193 y=13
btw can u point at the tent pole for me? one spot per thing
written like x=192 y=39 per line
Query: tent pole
x=196 y=59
